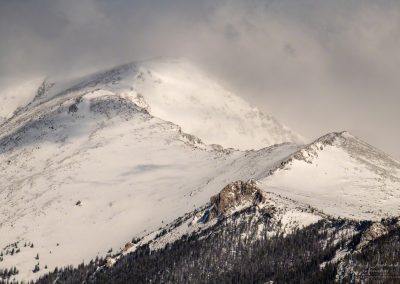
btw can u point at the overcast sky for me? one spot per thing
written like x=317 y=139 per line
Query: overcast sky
x=318 y=66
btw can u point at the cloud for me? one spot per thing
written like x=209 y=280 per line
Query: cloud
x=317 y=65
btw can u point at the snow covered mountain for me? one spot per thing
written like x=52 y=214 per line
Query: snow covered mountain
x=92 y=160
x=16 y=96
x=90 y=163
x=174 y=90
x=245 y=235
x=341 y=175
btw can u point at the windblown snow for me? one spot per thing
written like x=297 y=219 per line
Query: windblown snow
x=187 y=97
x=15 y=96
x=90 y=163
x=174 y=90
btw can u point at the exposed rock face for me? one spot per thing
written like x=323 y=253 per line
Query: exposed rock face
x=110 y=261
x=73 y=108
x=376 y=230
x=308 y=153
x=238 y=193
x=190 y=138
x=141 y=102
x=127 y=246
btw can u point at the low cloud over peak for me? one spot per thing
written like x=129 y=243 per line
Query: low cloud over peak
x=317 y=65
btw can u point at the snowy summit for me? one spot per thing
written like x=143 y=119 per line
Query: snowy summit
x=86 y=164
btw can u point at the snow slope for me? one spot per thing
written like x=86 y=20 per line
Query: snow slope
x=176 y=91
x=84 y=173
x=16 y=96
x=92 y=162
x=341 y=175
x=286 y=216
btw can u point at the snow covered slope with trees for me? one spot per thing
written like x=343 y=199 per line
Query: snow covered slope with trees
x=244 y=235
x=91 y=162
x=85 y=172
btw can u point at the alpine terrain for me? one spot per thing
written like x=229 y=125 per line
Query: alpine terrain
x=151 y=172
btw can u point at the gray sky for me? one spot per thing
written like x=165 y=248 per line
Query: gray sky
x=317 y=65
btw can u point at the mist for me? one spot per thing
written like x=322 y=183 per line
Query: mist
x=318 y=66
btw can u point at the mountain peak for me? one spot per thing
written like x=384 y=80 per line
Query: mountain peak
x=179 y=92
x=175 y=90
x=342 y=175
x=332 y=137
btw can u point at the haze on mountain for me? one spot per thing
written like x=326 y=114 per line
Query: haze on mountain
x=115 y=154
x=136 y=138
x=317 y=66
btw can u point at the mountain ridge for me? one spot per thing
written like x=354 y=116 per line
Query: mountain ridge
x=197 y=238
x=346 y=172
x=203 y=104
x=96 y=152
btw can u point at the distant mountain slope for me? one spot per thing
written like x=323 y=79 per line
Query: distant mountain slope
x=341 y=175
x=16 y=96
x=176 y=91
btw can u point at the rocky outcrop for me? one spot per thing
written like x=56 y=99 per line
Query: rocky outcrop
x=234 y=195
x=72 y=108
x=190 y=138
x=377 y=230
